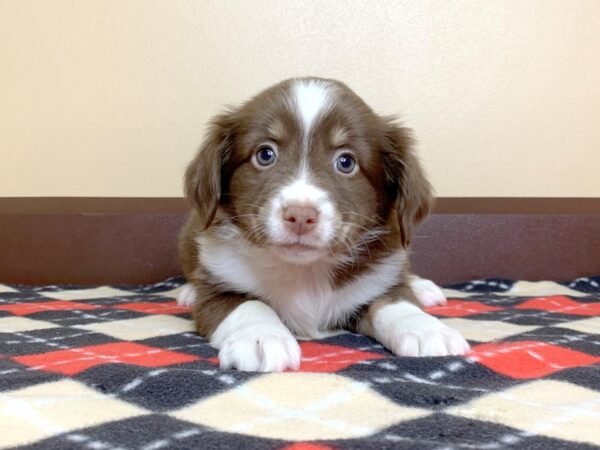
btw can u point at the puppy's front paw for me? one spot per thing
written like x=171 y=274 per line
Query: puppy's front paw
x=407 y=331
x=427 y=342
x=187 y=295
x=260 y=349
x=427 y=292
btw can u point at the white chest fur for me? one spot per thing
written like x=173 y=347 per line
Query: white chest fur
x=302 y=295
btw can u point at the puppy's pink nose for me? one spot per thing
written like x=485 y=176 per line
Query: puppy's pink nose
x=300 y=219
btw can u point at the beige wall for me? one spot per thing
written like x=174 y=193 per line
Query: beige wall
x=110 y=98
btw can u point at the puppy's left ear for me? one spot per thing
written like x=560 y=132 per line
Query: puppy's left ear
x=405 y=179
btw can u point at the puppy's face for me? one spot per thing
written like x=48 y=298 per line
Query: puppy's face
x=307 y=170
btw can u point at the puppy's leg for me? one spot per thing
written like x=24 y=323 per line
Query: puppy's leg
x=248 y=334
x=406 y=330
x=427 y=292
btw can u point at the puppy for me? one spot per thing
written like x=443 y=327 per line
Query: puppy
x=304 y=205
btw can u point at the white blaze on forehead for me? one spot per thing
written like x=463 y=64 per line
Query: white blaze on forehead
x=311 y=97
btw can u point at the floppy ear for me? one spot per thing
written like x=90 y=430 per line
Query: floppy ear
x=203 y=176
x=406 y=179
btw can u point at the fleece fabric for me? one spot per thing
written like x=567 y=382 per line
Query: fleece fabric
x=120 y=368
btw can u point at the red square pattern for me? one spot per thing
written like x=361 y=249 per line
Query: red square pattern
x=24 y=309
x=76 y=360
x=306 y=446
x=459 y=308
x=331 y=358
x=155 y=308
x=529 y=359
x=561 y=304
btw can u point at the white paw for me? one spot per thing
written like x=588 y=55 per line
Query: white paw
x=427 y=292
x=187 y=295
x=407 y=331
x=260 y=349
x=253 y=338
x=427 y=342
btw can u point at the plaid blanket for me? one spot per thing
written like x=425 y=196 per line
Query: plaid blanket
x=116 y=368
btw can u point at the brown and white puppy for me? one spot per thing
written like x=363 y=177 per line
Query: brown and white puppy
x=304 y=204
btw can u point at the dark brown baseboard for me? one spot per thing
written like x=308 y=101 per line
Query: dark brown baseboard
x=132 y=240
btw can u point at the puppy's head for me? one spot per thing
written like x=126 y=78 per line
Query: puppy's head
x=308 y=170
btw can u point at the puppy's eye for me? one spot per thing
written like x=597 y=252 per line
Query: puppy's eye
x=266 y=156
x=345 y=163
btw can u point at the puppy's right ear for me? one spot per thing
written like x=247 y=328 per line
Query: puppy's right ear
x=202 y=182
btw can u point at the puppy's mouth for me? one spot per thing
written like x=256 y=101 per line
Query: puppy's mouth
x=298 y=247
x=297 y=252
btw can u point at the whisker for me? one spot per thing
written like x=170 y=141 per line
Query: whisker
x=370 y=235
